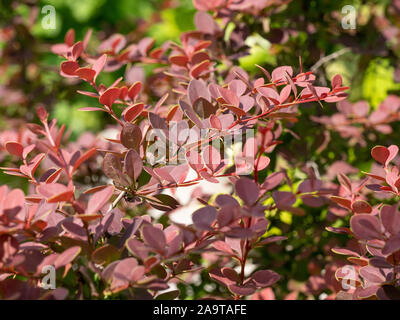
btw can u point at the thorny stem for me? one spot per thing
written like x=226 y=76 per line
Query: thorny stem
x=116 y=201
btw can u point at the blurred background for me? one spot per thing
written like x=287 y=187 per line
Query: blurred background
x=367 y=57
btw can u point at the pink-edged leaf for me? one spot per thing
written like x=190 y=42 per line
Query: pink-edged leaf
x=229 y=97
x=393 y=150
x=109 y=96
x=345 y=181
x=77 y=50
x=199 y=69
x=230 y=274
x=154 y=237
x=14 y=204
x=133 y=164
x=273 y=181
x=391 y=245
x=218 y=276
x=99 y=199
x=204 y=217
x=98 y=65
x=134 y=90
x=157 y=122
x=270 y=94
x=209 y=177
x=131 y=136
x=265 y=278
x=372 y=275
x=361 y=206
x=284 y=94
x=69 y=38
x=194 y=160
x=223 y=247
x=238 y=87
x=279 y=73
x=87 y=155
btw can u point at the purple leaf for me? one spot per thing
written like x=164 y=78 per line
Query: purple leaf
x=204 y=217
x=247 y=190
x=265 y=278
x=99 y=199
x=197 y=89
x=242 y=290
x=154 y=237
x=392 y=245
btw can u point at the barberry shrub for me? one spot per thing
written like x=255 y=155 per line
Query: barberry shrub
x=173 y=130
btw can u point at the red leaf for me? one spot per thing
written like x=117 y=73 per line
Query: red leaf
x=88 y=154
x=133 y=164
x=247 y=190
x=77 y=50
x=179 y=60
x=390 y=219
x=200 y=68
x=337 y=81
